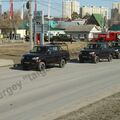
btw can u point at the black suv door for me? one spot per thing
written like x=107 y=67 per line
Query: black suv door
x=53 y=54
x=104 y=51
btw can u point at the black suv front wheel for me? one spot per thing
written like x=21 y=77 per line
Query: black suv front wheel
x=41 y=66
x=96 y=59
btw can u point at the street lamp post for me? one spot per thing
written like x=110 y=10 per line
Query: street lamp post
x=49 y=5
x=30 y=22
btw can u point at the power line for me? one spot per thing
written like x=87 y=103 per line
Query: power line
x=13 y=0
x=46 y=5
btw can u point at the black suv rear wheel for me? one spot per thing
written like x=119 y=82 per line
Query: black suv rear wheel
x=62 y=63
x=109 y=58
x=41 y=66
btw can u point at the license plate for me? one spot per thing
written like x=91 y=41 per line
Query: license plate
x=27 y=62
x=85 y=57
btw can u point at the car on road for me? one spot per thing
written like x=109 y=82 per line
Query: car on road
x=95 y=52
x=41 y=56
x=115 y=46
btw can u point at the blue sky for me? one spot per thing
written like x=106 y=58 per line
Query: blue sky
x=56 y=5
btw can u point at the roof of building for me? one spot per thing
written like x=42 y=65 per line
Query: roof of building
x=81 y=28
x=99 y=19
x=115 y=27
x=56 y=29
x=64 y=25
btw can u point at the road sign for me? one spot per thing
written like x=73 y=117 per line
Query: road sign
x=39 y=25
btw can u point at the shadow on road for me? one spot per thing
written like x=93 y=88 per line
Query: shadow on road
x=19 y=67
x=16 y=67
x=74 y=61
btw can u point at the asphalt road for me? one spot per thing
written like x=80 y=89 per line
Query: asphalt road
x=27 y=95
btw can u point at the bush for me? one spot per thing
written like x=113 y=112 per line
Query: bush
x=61 y=38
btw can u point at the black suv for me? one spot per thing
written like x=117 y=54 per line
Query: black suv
x=115 y=46
x=95 y=52
x=40 y=56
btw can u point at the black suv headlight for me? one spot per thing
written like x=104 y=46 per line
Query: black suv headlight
x=92 y=53
x=35 y=58
x=116 y=50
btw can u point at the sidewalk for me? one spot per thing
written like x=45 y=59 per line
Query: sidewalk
x=4 y=62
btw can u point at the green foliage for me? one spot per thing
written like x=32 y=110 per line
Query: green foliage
x=61 y=38
x=75 y=15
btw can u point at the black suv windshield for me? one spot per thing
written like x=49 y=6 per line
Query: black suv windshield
x=94 y=46
x=39 y=49
x=115 y=45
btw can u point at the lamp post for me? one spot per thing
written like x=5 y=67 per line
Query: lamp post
x=30 y=22
x=49 y=10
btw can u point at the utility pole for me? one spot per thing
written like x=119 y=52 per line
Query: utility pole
x=30 y=24
x=62 y=7
x=35 y=9
x=42 y=26
x=49 y=10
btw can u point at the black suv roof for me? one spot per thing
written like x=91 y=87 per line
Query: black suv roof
x=53 y=44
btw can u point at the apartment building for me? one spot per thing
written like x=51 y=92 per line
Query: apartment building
x=70 y=6
x=86 y=10
x=115 y=13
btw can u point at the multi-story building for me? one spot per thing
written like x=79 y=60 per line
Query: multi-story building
x=115 y=13
x=86 y=10
x=116 y=5
x=70 y=6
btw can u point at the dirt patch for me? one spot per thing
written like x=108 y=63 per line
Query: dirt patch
x=15 y=51
x=75 y=48
x=105 y=109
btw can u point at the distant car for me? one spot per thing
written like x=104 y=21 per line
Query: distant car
x=41 y=56
x=95 y=52
x=115 y=46
x=61 y=38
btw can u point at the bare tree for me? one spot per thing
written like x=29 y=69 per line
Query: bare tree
x=10 y=25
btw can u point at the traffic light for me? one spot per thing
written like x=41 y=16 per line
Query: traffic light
x=27 y=5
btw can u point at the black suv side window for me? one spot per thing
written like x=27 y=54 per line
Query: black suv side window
x=102 y=46
x=53 y=49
